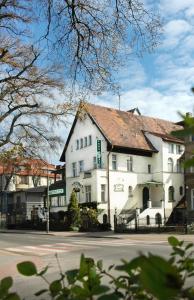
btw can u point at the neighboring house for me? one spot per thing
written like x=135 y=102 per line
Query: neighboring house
x=57 y=191
x=189 y=174
x=27 y=173
x=24 y=181
x=129 y=164
x=26 y=205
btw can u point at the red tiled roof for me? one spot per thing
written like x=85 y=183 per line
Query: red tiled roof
x=30 y=167
x=127 y=130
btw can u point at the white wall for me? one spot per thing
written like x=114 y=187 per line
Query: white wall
x=120 y=200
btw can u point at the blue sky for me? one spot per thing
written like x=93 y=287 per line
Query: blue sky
x=159 y=83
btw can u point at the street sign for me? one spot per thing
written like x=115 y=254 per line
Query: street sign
x=56 y=192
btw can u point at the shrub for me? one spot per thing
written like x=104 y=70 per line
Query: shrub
x=73 y=211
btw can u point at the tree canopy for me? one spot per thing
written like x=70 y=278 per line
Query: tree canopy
x=52 y=49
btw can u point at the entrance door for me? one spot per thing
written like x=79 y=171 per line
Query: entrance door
x=145 y=197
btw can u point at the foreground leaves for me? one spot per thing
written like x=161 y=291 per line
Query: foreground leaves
x=146 y=277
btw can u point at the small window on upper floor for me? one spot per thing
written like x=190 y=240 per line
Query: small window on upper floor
x=90 y=140
x=170 y=148
x=81 y=166
x=77 y=144
x=81 y=143
x=178 y=149
x=85 y=141
x=130 y=164
x=114 y=162
x=149 y=169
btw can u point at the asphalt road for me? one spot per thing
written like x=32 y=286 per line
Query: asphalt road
x=41 y=249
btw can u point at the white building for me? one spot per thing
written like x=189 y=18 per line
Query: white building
x=129 y=164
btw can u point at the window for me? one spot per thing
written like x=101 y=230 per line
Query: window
x=130 y=164
x=181 y=190
x=71 y=148
x=170 y=165
x=149 y=169
x=158 y=219
x=171 y=193
x=191 y=169
x=178 y=149
x=81 y=143
x=130 y=192
x=77 y=144
x=178 y=166
x=85 y=141
x=170 y=148
x=103 y=193
x=54 y=201
x=61 y=201
x=148 y=220
x=74 y=169
x=81 y=165
x=192 y=199
x=114 y=162
x=94 y=162
x=24 y=180
x=90 y=140
x=88 y=193
x=191 y=138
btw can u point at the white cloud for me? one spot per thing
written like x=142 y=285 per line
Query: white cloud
x=174 y=31
x=175 y=6
x=176 y=28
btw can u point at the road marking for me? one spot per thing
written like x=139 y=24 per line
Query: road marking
x=116 y=243
x=45 y=249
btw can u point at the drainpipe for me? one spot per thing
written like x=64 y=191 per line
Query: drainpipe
x=164 y=204
x=108 y=183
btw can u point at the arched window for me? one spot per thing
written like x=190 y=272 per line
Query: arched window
x=148 y=219
x=170 y=165
x=171 y=193
x=130 y=191
x=181 y=190
x=158 y=219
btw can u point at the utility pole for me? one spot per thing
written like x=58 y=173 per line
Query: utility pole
x=48 y=204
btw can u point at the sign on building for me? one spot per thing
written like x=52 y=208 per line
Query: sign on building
x=99 y=157
x=56 y=192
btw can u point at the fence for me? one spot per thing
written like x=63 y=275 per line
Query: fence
x=146 y=225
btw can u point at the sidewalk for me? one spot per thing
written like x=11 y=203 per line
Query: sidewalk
x=106 y=234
